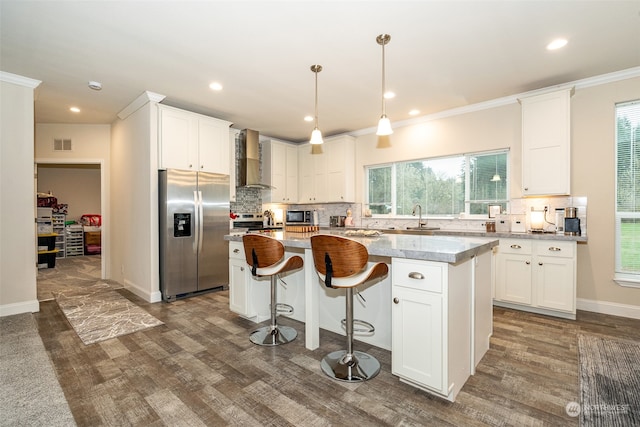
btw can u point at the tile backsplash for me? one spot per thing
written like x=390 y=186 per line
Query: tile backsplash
x=520 y=207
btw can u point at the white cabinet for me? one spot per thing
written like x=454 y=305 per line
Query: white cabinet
x=432 y=324
x=537 y=275
x=238 y=298
x=546 y=144
x=250 y=296
x=232 y=165
x=280 y=169
x=191 y=141
x=330 y=176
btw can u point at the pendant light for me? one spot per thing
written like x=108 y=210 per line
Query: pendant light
x=316 y=135
x=496 y=177
x=384 y=125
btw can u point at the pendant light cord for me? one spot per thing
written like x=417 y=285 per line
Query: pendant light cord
x=384 y=112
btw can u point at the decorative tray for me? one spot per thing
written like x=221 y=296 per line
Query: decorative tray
x=363 y=233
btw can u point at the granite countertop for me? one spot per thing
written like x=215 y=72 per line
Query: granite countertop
x=450 y=249
x=509 y=235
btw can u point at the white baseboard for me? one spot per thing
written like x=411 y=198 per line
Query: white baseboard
x=154 y=296
x=32 y=306
x=611 y=308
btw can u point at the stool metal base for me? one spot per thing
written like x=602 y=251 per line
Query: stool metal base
x=270 y=336
x=355 y=368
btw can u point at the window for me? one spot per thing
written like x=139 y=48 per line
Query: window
x=443 y=187
x=628 y=193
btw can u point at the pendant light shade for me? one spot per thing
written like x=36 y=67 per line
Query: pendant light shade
x=316 y=135
x=384 y=125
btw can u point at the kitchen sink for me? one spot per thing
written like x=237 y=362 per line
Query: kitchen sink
x=422 y=231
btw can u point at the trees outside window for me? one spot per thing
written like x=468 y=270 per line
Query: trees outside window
x=443 y=187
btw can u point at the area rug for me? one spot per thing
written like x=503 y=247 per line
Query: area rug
x=98 y=313
x=609 y=382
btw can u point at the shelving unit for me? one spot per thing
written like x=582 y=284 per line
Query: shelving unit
x=58 y=228
x=74 y=240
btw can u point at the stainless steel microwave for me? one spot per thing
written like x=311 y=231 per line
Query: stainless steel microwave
x=298 y=217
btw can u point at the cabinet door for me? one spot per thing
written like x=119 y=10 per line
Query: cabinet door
x=306 y=190
x=555 y=282
x=278 y=172
x=417 y=337
x=513 y=278
x=178 y=140
x=292 y=175
x=321 y=185
x=238 y=297
x=546 y=144
x=213 y=145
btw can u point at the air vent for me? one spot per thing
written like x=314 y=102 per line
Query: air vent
x=61 y=144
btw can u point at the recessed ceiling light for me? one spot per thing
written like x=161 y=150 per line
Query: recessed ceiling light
x=389 y=95
x=414 y=112
x=557 y=44
x=74 y=109
x=308 y=118
x=215 y=86
x=95 y=85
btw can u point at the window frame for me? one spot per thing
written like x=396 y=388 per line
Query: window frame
x=621 y=276
x=467 y=178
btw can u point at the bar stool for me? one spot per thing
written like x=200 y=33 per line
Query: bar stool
x=342 y=263
x=265 y=256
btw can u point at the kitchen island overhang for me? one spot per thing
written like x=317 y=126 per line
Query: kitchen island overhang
x=454 y=299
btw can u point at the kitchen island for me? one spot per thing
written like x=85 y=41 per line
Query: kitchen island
x=433 y=311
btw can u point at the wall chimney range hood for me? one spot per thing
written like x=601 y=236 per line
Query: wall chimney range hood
x=249 y=171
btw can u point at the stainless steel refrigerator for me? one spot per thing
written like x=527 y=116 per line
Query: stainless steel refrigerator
x=194 y=217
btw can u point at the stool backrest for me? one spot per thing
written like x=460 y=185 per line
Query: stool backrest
x=348 y=257
x=267 y=250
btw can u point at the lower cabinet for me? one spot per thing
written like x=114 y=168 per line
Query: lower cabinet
x=432 y=324
x=250 y=296
x=537 y=275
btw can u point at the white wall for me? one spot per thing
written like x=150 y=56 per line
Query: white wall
x=91 y=145
x=78 y=186
x=134 y=197
x=592 y=172
x=17 y=197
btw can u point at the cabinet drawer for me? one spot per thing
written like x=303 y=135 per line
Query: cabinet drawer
x=236 y=250
x=555 y=248
x=420 y=275
x=522 y=247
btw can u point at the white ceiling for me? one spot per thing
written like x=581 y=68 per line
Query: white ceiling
x=442 y=55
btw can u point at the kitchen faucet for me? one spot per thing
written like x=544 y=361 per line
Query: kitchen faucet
x=420 y=223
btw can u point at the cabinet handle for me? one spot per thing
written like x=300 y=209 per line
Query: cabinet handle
x=416 y=275
x=190 y=166
x=241 y=268
x=516 y=247
x=539 y=263
x=554 y=249
x=235 y=251
x=527 y=262
x=396 y=300
x=526 y=188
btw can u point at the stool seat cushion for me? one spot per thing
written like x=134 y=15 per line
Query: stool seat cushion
x=375 y=271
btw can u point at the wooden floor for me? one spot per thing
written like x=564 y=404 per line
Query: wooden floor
x=201 y=369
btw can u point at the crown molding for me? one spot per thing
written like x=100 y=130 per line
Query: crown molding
x=19 y=80
x=143 y=99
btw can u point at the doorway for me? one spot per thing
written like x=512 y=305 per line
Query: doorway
x=79 y=184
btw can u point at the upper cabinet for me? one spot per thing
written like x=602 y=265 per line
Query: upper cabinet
x=280 y=170
x=191 y=141
x=330 y=176
x=546 y=144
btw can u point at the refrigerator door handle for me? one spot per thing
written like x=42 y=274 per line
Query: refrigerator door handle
x=196 y=221
x=200 y=221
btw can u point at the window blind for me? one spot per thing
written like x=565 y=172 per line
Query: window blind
x=628 y=191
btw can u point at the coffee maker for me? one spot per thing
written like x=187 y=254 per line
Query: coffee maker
x=571 y=222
